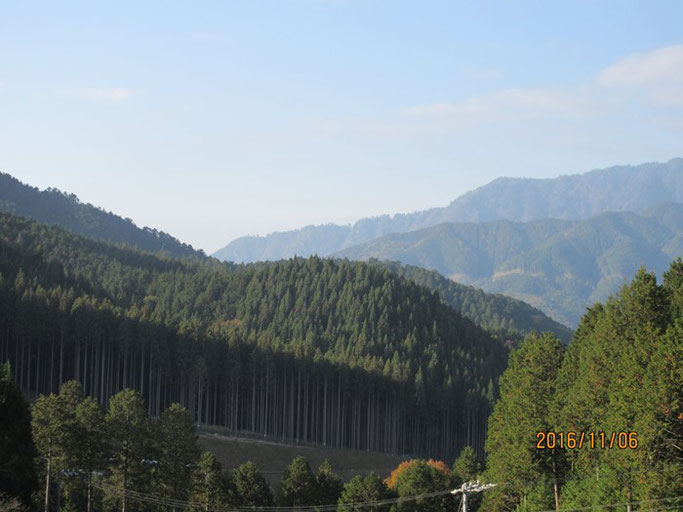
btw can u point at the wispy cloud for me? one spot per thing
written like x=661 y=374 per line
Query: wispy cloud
x=659 y=74
x=105 y=93
x=655 y=77
x=512 y=103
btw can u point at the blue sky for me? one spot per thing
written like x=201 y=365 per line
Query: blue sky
x=212 y=120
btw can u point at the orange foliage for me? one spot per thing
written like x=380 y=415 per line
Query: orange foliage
x=392 y=480
x=440 y=465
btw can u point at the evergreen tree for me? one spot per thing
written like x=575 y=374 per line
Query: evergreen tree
x=527 y=391
x=177 y=448
x=47 y=427
x=622 y=374
x=422 y=478
x=128 y=431
x=207 y=485
x=70 y=395
x=365 y=489
x=329 y=485
x=466 y=467
x=92 y=452
x=298 y=485
x=251 y=488
x=17 y=474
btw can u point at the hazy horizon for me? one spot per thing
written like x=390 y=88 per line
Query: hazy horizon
x=222 y=120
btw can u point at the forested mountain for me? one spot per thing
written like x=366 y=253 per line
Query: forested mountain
x=52 y=206
x=559 y=266
x=578 y=196
x=338 y=353
x=608 y=408
x=500 y=315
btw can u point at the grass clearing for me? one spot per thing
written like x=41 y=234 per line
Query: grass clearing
x=272 y=458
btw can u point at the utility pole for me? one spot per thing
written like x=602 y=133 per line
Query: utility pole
x=470 y=488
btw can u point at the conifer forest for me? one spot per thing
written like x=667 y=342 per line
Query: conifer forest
x=309 y=350
x=114 y=357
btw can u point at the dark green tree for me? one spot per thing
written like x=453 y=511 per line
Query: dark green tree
x=48 y=428
x=329 y=485
x=128 y=430
x=92 y=451
x=622 y=374
x=466 y=467
x=365 y=489
x=251 y=487
x=207 y=485
x=176 y=437
x=527 y=390
x=17 y=474
x=298 y=486
x=422 y=478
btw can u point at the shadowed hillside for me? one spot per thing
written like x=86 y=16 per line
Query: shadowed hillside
x=52 y=206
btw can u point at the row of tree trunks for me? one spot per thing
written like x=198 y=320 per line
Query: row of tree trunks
x=248 y=391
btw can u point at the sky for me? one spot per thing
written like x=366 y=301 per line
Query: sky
x=214 y=120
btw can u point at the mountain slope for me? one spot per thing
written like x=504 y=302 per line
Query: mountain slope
x=497 y=315
x=579 y=196
x=501 y=315
x=54 y=207
x=559 y=266
x=337 y=353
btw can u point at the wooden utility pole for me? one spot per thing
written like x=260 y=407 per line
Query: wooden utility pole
x=470 y=488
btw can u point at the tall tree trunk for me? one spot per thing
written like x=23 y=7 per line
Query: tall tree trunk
x=556 y=487
x=47 y=483
x=89 y=489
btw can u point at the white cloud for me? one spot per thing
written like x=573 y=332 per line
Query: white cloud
x=655 y=78
x=658 y=74
x=106 y=93
x=658 y=66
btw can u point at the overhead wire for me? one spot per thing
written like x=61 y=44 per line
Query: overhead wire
x=173 y=503
x=624 y=504
x=169 y=502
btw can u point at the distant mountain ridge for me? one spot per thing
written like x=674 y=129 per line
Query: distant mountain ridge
x=558 y=266
x=578 y=196
x=52 y=206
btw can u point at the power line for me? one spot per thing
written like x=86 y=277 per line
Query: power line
x=614 y=505
x=468 y=488
x=160 y=500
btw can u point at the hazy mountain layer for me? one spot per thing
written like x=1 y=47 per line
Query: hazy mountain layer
x=559 y=266
x=52 y=206
x=579 y=196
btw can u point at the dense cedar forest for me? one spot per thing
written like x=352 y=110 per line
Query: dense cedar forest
x=308 y=350
x=502 y=316
x=54 y=207
x=621 y=374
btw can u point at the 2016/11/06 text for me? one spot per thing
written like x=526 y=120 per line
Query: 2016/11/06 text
x=577 y=440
